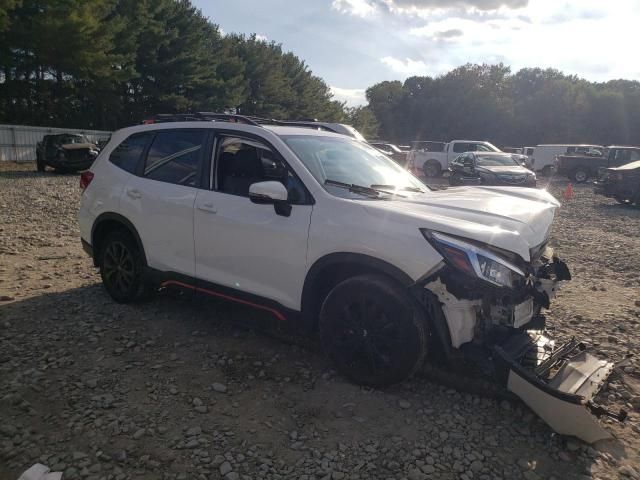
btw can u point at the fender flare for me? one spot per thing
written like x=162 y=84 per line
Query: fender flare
x=309 y=302
x=125 y=222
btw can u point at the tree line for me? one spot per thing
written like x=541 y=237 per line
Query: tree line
x=111 y=63
x=106 y=64
x=529 y=107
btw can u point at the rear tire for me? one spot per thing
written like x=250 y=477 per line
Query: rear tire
x=40 y=167
x=121 y=268
x=580 y=175
x=372 y=331
x=432 y=169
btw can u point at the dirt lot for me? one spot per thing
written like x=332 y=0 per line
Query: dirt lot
x=177 y=389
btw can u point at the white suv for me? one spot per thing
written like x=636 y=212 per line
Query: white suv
x=321 y=230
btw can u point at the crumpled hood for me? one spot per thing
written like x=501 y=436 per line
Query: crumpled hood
x=512 y=218
x=506 y=170
x=79 y=146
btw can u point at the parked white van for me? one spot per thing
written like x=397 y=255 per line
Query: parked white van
x=544 y=155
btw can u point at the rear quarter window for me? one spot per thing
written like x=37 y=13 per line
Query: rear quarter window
x=128 y=153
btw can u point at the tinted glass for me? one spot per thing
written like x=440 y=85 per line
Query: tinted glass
x=128 y=153
x=461 y=147
x=174 y=156
x=496 y=161
x=242 y=162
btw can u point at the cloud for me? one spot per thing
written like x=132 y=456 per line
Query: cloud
x=261 y=38
x=366 y=8
x=448 y=4
x=352 y=96
x=406 y=67
x=451 y=33
x=359 y=8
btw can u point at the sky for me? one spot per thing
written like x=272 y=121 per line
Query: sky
x=353 y=44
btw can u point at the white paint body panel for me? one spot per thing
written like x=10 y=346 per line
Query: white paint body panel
x=247 y=246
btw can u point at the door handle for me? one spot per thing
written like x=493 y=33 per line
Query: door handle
x=207 y=207
x=135 y=194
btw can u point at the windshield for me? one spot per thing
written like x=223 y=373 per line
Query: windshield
x=67 y=139
x=496 y=161
x=487 y=147
x=341 y=159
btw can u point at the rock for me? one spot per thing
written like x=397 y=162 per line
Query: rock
x=6 y=298
x=78 y=456
x=476 y=466
x=197 y=402
x=201 y=409
x=404 y=404
x=8 y=430
x=191 y=444
x=193 y=431
x=428 y=469
x=219 y=387
x=415 y=474
x=232 y=476
x=139 y=433
x=91 y=383
x=225 y=468
x=628 y=471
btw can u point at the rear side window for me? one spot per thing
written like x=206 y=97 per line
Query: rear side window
x=174 y=156
x=461 y=147
x=128 y=153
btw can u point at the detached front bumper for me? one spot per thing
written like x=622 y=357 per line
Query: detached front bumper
x=557 y=383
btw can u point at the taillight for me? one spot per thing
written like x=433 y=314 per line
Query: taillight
x=85 y=179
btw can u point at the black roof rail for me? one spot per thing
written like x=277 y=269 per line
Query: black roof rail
x=200 y=117
x=234 y=118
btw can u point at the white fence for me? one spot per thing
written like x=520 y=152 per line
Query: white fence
x=18 y=142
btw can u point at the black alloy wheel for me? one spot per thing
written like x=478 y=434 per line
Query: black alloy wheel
x=372 y=332
x=121 y=268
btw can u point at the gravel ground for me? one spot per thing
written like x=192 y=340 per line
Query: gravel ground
x=180 y=388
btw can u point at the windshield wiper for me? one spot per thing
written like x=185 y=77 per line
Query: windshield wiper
x=393 y=187
x=352 y=187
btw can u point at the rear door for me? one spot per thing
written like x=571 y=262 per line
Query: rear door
x=244 y=246
x=159 y=200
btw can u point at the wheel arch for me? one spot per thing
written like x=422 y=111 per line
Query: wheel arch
x=331 y=269
x=108 y=222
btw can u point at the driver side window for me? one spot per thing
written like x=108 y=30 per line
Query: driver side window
x=241 y=162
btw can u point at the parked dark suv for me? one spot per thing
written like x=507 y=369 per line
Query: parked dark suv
x=66 y=152
x=489 y=168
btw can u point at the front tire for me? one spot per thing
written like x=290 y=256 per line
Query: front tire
x=372 y=331
x=580 y=175
x=121 y=266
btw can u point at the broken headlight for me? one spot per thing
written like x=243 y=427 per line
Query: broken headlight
x=473 y=260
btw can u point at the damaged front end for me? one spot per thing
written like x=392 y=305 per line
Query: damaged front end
x=488 y=313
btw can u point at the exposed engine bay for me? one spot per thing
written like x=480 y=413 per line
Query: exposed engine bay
x=501 y=330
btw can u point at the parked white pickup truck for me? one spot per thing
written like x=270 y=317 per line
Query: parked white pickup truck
x=432 y=158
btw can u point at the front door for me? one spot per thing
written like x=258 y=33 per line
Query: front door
x=245 y=246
